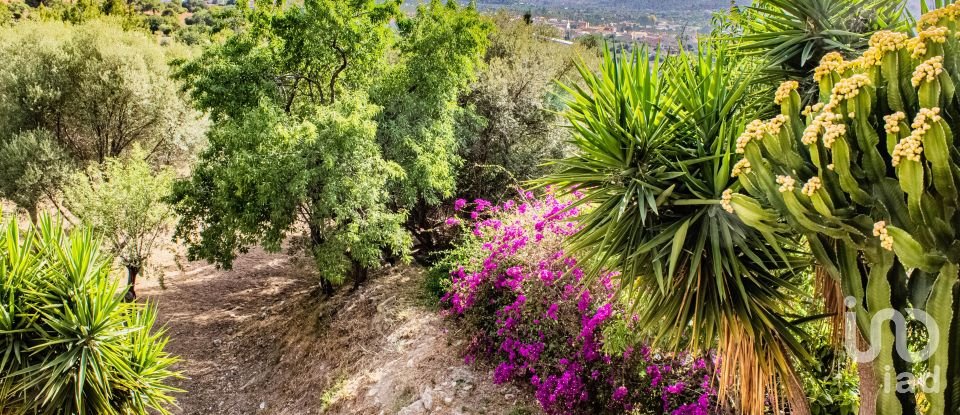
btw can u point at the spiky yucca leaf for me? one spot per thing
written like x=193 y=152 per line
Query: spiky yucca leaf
x=654 y=145
x=70 y=345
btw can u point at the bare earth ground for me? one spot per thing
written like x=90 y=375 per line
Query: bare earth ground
x=259 y=340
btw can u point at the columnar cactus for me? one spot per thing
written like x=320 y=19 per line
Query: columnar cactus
x=869 y=175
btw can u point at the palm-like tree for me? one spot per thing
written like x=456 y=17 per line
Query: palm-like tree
x=794 y=34
x=654 y=144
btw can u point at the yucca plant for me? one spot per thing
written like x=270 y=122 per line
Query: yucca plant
x=69 y=344
x=794 y=34
x=655 y=143
x=869 y=175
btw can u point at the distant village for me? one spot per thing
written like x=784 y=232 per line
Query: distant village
x=661 y=33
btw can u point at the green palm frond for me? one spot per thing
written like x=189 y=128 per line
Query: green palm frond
x=655 y=142
x=794 y=34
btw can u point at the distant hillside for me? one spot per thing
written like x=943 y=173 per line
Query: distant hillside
x=638 y=5
x=646 y=5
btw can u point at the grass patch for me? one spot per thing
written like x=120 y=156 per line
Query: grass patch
x=333 y=394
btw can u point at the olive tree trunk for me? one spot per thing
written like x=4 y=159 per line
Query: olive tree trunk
x=132 y=272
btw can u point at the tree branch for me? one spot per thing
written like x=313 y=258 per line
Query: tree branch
x=336 y=73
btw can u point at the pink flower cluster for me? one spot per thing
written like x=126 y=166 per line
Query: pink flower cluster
x=541 y=322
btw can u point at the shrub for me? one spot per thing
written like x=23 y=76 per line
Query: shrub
x=508 y=124
x=70 y=345
x=32 y=168
x=523 y=299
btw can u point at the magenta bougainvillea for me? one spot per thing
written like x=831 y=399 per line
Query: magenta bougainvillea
x=534 y=316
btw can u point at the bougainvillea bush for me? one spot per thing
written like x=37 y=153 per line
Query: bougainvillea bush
x=535 y=317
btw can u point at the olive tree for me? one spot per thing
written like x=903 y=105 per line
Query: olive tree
x=509 y=123
x=32 y=168
x=124 y=200
x=98 y=90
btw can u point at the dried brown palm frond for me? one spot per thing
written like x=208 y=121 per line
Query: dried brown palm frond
x=828 y=291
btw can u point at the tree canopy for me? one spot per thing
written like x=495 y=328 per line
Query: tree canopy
x=440 y=50
x=311 y=131
x=267 y=172
x=97 y=89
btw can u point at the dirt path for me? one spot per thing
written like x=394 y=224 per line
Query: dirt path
x=258 y=340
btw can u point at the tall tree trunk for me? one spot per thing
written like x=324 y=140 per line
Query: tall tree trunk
x=869 y=385
x=796 y=397
x=33 y=211
x=326 y=286
x=360 y=274
x=132 y=272
x=316 y=239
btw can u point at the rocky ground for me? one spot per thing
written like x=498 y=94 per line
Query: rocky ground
x=259 y=339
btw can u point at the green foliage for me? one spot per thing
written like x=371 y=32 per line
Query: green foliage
x=874 y=194
x=161 y=24
x=193 y=35
x=124 y=201
x=794 y=35
x=17 y=10
x=279 y=87
x=114 y=7
x=266 y=171
x=69 y=345
x=142 y=6
x=509 y=123
x=295 y=140
x=654 y=145
x=463 y=253
x=32 y=168
x=98 y=89
x=832 y=384
x=292 y=58
x=80 y=11
x=194 y=6
x=211 y=23
x=439 y=53
x=590 y=42
x=6 y=15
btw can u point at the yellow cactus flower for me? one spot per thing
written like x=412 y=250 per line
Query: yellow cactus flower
x=787 y=183
x=811 y=186
x=754 y=131
x=911 y=147
x=880 y=230
x=741 y=167
x=892 y=122
x=928 y=71
x=725 y=200
x=783 y=92
x=831 y=62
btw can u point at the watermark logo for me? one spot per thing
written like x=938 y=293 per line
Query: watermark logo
x=879 y=323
